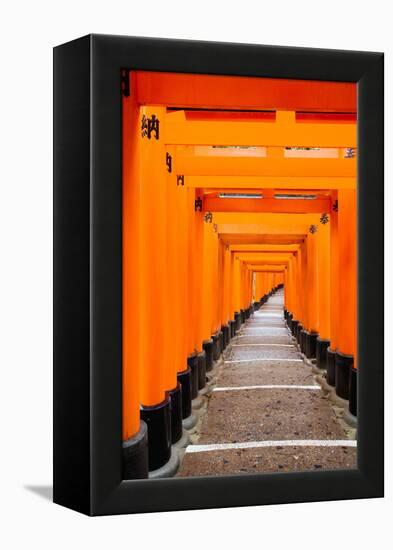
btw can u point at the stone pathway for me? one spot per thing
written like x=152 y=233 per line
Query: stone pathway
x=265 y=412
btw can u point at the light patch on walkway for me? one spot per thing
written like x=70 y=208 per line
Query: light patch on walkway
x=265 y=325
x=268 y=314
x=265 y=359
x=279 y=443
x=269 y=345
x=262 y=327
x=247 y=336
x=268 y=387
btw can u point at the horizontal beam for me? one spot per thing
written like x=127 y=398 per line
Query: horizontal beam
x=239 y=168
x=285 y=132
x=211 y=204
x=219 y=183
x=263 y=248
x=267 y=268
x=266 y=262
x=266 y=257
x=241 y=92
x=236 y=239
x=237 y=220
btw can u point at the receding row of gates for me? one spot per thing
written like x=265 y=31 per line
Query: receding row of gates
x=232 y=187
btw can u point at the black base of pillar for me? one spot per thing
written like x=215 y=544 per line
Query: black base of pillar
x=311 y=345
x=295 y=324
x=192 y=362
x=353 y=409
x=184 y=379
x=298 y=332
x=135 y=455
x=226 y=332
x=321 y=352
x=343 y=366
x=242 y=316
x=207 y=346
x=303 y=341
x=331 y=367
x=201 y=370
x=158 y=421
x=175 y=397
x=238 y=321
x=216 y=346
x=221 y=341
x=232 y=328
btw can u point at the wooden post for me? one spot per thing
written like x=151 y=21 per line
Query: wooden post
x=135 y=462
x=155 y=404
x=348 y=279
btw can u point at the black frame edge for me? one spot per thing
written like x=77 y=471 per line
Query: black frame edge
x=370 y=248
x=71 y=275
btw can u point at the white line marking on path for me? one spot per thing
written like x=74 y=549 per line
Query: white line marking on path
x=265 y=359
x=268 y=387
x=280 y=443
x=272 y=345
x=268 y=314
x=245 y=336
x=261 y=328
x=258 y=327
x=265 y=325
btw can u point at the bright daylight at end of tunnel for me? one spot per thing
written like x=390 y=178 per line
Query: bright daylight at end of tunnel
x=239 y=275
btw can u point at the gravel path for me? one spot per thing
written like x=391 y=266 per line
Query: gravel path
x=238 y=419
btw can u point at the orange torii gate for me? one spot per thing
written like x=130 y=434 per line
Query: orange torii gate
x=189 y=281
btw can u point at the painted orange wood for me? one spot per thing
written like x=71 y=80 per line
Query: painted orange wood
x=186 y=268
x=228 y=92
x=131 y=276
x=347 y=271
x=153 y=266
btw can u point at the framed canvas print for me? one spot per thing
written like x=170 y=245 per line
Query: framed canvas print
x=218 y=275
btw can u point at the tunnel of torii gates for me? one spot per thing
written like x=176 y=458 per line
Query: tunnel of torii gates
x=220 y=209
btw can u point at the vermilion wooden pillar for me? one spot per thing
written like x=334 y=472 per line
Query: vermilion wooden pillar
x=323 y=340
x=224 y=289
x=135 y=461
x=195 y=288
x=334 y=292
x=304 y=296
x=348 y=287
x=299 y=291
x=186 y=284
x=155 y=404
x=312 y=292
x=175 y=336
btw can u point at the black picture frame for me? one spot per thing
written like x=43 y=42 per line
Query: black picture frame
x=88 y=274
